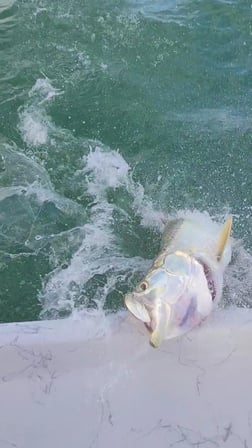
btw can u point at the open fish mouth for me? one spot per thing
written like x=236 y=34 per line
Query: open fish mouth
x=140 y=311
x=156 y=319
x=150 y=326
x=209 y=278
x=137 y=308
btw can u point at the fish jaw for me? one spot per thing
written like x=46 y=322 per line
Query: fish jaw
x=137 y=308
x=161 y=315
x=156 y=318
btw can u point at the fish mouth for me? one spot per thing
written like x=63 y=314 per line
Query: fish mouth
x=148 y=326
x=209 y=278
x=156 y=320
x=138 y=309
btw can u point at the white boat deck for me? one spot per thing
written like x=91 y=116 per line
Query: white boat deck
x=69 y=383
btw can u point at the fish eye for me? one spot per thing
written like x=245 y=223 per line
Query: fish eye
x=143 y=286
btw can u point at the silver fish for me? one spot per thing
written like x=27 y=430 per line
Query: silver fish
x=185 y=280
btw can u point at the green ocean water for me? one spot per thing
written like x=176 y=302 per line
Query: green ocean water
x=114 y=114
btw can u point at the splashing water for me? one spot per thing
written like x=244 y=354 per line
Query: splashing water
x=80 y=220
x=92 y=269
x=35 y=125
x=90 y=266
x=98 y=268
x=99 y=258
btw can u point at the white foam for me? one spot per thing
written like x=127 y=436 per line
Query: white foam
x=34 y=127
x=202 y=218
x=108 y=169
x=238 y=275
x=99 y=253
x=43 y=91
x=34 y=122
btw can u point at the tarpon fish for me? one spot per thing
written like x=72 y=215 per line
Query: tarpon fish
x=185 y=280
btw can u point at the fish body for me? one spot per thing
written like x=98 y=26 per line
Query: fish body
x=185 y=280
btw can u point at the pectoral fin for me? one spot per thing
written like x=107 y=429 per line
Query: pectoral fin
x=161 y=316
x=223 y=238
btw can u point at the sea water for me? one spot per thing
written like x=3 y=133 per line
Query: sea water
x=114 y=116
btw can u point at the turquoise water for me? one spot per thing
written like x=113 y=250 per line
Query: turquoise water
x=114 y=114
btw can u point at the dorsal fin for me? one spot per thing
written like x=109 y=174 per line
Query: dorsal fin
x=170 y=231
x=223 y=238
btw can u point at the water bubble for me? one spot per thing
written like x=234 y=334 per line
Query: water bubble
x=38 y=237
x=2 y=163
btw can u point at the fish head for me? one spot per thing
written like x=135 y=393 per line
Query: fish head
x=166 y=291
